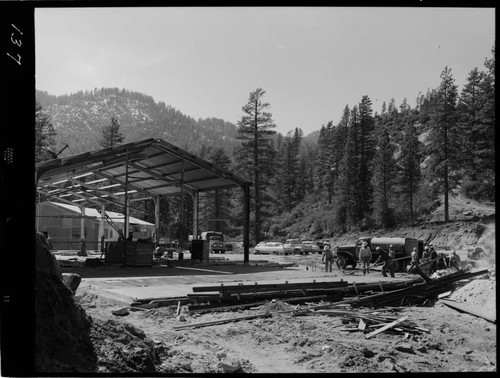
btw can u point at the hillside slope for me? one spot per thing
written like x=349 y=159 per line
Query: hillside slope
x=471 y=223
x=78 y=120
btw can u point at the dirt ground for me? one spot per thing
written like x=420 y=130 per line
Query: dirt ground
x=145 y=341
x=87 y=337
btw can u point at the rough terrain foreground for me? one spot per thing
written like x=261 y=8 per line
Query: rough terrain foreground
x=68 y=340
x=284 y=343
x=87 y=337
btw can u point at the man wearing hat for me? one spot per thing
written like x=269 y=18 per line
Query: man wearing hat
x=455 y=259
x=365 y=256
x=328 y=258
x=433 y=256
x=386 y=258
x=414 y=258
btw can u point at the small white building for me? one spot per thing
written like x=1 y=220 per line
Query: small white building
x=63 y=222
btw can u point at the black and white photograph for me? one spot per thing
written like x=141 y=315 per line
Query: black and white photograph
x=255 y=189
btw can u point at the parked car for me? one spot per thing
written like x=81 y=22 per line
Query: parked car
x=292 y=246
x=309 y=246
x=217 y=246
x=269 y=248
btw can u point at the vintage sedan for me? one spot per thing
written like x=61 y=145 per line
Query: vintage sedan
x=269 y=248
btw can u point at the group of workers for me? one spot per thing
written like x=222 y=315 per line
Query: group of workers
x=365 y=256
x=430 y=259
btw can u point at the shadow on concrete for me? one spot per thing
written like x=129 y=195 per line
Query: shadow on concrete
x=119 y=271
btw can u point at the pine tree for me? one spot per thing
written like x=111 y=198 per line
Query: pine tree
x=289 y=183
x=409 y=166
x=366 y=152
x=44 y=135
x=469 y=106
x=215 y=205
x=485 y=151
x=257 y=153
x=308 y=162
x=322 y=157
x=476 y=109
x=348 y=184
x=111 y=134
x=445 y=136
x=339 y=137
x=384 y=174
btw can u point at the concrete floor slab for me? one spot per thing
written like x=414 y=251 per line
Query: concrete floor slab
x=131 y=289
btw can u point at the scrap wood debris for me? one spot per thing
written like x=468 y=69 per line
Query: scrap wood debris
x=338 y=299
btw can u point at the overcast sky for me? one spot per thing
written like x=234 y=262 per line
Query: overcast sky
x=311 y=62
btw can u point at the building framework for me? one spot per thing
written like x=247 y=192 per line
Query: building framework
x=152 y=167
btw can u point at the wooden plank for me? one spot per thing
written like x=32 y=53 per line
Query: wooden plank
x=269 y=287
x=386 y=327
x=444 y=295
x=361 y=325
x=222 y=321
x=195 y=309
x=468 y=309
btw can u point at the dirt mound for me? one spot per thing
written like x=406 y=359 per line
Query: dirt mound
x=121 y=347
x=61 y=337
x=479 y=293
x=68 y=340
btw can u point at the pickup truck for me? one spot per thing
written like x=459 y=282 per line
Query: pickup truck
x=292 y=246
x=310 y=247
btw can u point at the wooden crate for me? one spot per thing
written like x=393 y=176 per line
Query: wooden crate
x=138 y=254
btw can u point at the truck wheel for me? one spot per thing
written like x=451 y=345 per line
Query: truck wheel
x=341 y=262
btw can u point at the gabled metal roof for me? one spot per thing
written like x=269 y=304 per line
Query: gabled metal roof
x=152 y=167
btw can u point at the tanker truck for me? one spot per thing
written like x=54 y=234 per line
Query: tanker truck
x=348 y=255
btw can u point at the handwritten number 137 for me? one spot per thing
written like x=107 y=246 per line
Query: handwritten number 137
x=16 y=41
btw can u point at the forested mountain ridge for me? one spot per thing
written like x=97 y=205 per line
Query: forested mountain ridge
x=79 y=118
x=366 y=170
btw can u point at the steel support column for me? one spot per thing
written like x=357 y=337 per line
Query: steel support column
x=157 y=219
x=246 y=222
x=82 y=221
x=125 y=221
x=101 y=224
x=196 y=197
x=182 y=236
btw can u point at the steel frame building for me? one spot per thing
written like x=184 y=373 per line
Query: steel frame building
x=152 y=167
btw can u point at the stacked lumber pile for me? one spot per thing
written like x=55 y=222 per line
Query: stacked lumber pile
x=240 y=296
x=419 y=291
x=349 y=302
